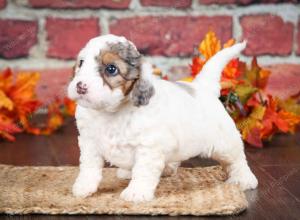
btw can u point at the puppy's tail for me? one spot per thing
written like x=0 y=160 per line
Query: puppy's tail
x=209 y=77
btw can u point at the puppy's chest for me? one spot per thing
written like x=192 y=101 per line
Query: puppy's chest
x=117 y=145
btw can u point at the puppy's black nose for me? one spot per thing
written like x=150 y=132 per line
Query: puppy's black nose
x=81 y=88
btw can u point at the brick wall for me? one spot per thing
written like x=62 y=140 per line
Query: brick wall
x=45 y=35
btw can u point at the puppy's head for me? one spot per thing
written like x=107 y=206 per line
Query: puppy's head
x=108 y=73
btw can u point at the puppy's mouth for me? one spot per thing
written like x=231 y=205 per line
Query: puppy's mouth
x=82 y=100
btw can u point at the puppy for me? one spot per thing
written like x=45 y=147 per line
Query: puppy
x=143 y=125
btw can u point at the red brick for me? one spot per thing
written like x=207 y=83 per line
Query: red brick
x=267 y=34
x=79 y=4
x=224 y=2
x=284 y=80
x=244 y=2
x=2 y=4
x=298 y=38
x=67 y=36
x=171 y=36
x=53 y=83
x=17 y=37
x=168 y=3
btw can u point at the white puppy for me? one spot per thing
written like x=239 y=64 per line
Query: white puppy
x=142 y=124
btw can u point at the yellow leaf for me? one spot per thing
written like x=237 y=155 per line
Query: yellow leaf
x=188 y=79
x=290 y=105
x=210 y=45
x=253 y=120
x=5 y=101
x=244 y=92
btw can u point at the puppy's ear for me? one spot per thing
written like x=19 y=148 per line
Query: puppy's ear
x=130 y=54
x=142 y=92
x=143 y=89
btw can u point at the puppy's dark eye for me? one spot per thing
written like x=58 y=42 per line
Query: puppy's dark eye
x=111 y=70
x=80 y=63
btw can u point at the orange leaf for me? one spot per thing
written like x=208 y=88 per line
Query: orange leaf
x=24 y=87
x=7 y=128
x=6 y=80
x=70 y=107
x=232 y=70
x=54 y=122
x=263 y=78
x=291 y=119
x=55 y=118
x=229 y=43
x=272 y=120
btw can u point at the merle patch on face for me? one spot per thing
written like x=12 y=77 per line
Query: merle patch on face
x=119 y=66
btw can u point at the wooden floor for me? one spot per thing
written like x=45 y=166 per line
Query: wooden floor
x=277 y=167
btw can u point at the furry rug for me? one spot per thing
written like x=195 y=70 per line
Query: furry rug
x=192 y=191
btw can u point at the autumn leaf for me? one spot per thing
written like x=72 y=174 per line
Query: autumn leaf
x=290 y=118
x=257 y=76
x=17 y=102
x=6 y=80
x=244 y=92
x=188 y=79
x=258 y=115
x=5 y=102
x=229 y=43
x=290 y=105
x=55 y=121
x=197 y=64
x=24 y=88
x=272 y=120
x=254 y=137
x=210 y=45
x=69 y=107
x=55 y=118
x=8 y=127
x=245 y=125
x=231 y=70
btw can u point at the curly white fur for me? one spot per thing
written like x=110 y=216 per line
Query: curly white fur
x=182 y=120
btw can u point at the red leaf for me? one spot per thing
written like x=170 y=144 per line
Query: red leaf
x=253 y=137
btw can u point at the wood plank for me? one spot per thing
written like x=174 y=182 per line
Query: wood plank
x=282 y=150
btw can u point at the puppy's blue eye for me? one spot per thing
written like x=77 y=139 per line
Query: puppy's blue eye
x=111 y=70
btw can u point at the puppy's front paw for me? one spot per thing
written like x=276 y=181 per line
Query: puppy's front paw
x=85 y=185
x=137 y=193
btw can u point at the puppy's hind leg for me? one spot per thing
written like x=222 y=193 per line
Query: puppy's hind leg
x=232 y=157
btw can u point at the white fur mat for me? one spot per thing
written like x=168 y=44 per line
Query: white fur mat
x=47 y=190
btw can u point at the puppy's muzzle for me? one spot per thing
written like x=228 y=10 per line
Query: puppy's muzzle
x=81 y=88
